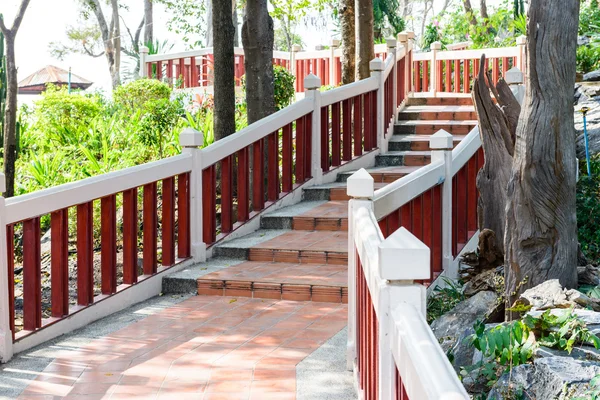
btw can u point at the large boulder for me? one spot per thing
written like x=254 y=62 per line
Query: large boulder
x=550 y=294
x=587 y=94
x=547 y=378
x=451 y=325
x=593 y=76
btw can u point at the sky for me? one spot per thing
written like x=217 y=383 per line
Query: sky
x=46 y=21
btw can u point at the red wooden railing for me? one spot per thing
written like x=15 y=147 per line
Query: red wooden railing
x=116 y=236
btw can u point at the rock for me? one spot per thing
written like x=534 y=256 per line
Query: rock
x=544 y=296
x=482 y=282
x=463 y=351
x=449 y=326
x=547 y=378
x=581 y=299
x=593 y=76
x=586 y=353
x=588 y=275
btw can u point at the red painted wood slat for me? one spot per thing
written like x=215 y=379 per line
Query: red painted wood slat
x=367 y=132
x=325 y=138
x=194 y=72
x=150 y=229
x=273 y=167
x=10 y=251
x=358 y=126
x=448 y=74
x=417 y=217
x=258 y=177
x=466 y=76
x=32 y=282
x=456 y=76
x=472 y=194
x=336 y=159
x=462 y=206
x=428 y=224
x=347 y=130
x=85 y=254
x=108 y=242
x=209 y=211
x=183 y=216
x=227 y=194
x=59 y=263
x=436 y=248
x=417 y=78
x=307 y=146
x=168 y=222
x=243 y=192
x=130 y=237
x=287 y=161
x=426 y=76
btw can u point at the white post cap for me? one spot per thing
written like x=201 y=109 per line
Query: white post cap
x=441 y=140
x=522 y=40
x=436 y=46
x=360 y=185
x=296 y=47
x=312 y=82
x=2 y=183
x=376 y=64
x=411 y=34
x=335 y=43
x=402 y=37
x=402 y=256
x=513 y=76
x=191 y=138
x=319 y=47
x=391 y=42
x=144 y=49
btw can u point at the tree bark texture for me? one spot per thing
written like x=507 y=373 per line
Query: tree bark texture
x=469 y=12
x=148 y=22
x=346 y=13
x=10 y=112
x=224 y=67
x=364 y=37
x=111 y=37
x=257 y=39
x=483 y=9
x=541 y=228
x=498 y=148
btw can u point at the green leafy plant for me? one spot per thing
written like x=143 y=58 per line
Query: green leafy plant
x=283 y=82
x=137 y=93
x=443 y=299
x=588 y=212
x=593 y=392
x=588 y=58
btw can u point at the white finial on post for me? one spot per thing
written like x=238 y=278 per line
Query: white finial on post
x=312 y=86
x=360 y=185
x=405 y=247
x=143 y=54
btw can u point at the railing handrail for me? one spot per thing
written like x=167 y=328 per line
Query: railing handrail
x=468 y=54
x=418 y=354
x=348 y=91
x=388 y=65
x=465 y=150
x=45 y=201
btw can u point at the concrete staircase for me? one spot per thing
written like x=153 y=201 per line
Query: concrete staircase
x=300 y=252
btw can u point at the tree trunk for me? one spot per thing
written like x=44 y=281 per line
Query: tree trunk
x=469 y=12
x=346 y=13
x=10 y=115
x=148 y=22
x=496 y=128
x=209 y=27
x=224 y=60
x=257 y=39
x=115 y=70
x=483 y=9
x=236 y=41
x=541 y=228
x=110 y=38
x=364 y=37
x=10 y=112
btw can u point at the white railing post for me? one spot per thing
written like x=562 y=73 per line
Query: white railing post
x=360 y=188
x=376 y=66
x=411 y=46
x=391 y=45
x=402 y=259
x=6 y=349
x=295 y=49
x=403 y=40
x=143 y=68
x=521 y=53
x=312 y=84
x=435 y=47
x=334 y=45
x=191 y=141
x=514 y=79
x=441 y=145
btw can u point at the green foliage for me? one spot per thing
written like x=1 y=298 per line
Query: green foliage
x=188 y=20
x=432 y=34
x=589 y=18
x=283 y=86
x=386 y=18
x=281 y=42
x=588 y=212
x=137 y=94
x=588 y=58
x=593 y=392
x=443 y=299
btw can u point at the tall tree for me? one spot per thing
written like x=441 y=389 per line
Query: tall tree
x=224 y=68
x=483 y=9
x=469 y=12
x=364 y=37
x=148 y=22
x=346 y=13
x=541 y=229
x=111 y=36
x=257 y=39
x=10 y=114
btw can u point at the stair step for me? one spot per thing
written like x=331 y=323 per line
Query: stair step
x=335 y=191
x=407 y=158
x=321 y=216
x=281 y=281
x=382 y=174
x=415 y=142
x=458 y=99
x=430 y=127
x=438 y=113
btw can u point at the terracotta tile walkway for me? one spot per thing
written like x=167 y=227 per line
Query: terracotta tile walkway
x=203 y=348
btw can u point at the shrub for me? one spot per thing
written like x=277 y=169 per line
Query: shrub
x=59 y=108
x=137 y=93
x=588 y=212
x=588 y=58
x=284 y=86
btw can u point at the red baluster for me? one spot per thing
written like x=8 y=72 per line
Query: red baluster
x=287 y=160
x=10 y=252
x=227 y=194
x=130 y=237
x=243 y=195
x=335 y=135
x=325 y=138
x=209 y=211
x=358 y=125
x=108 y=241
x=168 y=222
x=273 y=167
x=32 y=270
x=59 y=263
x=150 y=231
x=300 y=151
x=85 y=254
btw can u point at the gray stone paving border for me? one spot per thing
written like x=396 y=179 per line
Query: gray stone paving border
x=185 y=281
x=323 y=375
x=24 y=367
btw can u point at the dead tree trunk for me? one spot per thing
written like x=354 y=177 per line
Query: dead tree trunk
x=497 y=126
x=257 y=39
x=224 y=59
x=364 y=37
x=541 y=229
x=10 y=112
x=346 y=13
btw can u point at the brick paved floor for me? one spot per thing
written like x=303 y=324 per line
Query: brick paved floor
x=203 y=348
